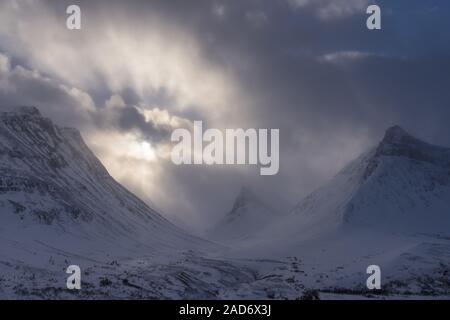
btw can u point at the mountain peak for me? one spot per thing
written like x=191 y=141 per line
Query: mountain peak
x=396 y=131
x=53 y=184
x=248 y=215
x=398 y=142
x=246 y=193
x=244 y=197
x=22 y=110
x=30 y=113
x=397 y=135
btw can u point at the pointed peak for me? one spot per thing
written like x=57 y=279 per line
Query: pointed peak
x=398 y=142
x=396 y=130
x=21 y=110
x=245 y=197
x=29 y=110
x=245 y=192
x=397 y=134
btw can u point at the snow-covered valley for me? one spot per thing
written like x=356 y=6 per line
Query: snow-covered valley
x=59 y=206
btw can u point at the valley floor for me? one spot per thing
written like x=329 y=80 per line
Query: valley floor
x=420 y=271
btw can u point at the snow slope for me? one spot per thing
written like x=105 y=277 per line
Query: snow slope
x=59 y=206
x=56 y=196
x=401 y=186
x=388 y=207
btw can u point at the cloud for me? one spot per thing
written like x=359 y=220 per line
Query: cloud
x=345 y=56
x=152 y=124
x=308 y=68
x=219 y=10
x=158 y=56
x=115 y=102
x=256 y=18
x=22 y=86
x=333 y=9
x=4 y=63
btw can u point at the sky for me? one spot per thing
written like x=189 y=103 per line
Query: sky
x=137 y=70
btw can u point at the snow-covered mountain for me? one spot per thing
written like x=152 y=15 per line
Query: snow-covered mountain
x=54 y=193
x=59 y=206
x=388 y=207
x=400 y=186
x=248 y=215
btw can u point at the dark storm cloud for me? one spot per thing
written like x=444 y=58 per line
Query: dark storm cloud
x=309 y=68
x=130 y=118
x=21 y=86
x=399 y=77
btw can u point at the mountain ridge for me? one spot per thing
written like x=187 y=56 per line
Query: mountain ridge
x=399 y=186
x=55 y=191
